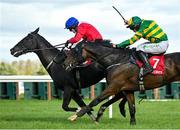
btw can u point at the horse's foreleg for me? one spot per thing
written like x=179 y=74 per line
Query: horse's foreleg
x=105 y=105
x=67 y=98
x=77 y=98
x=122 y=107
x=131 y=104
x=105 y=94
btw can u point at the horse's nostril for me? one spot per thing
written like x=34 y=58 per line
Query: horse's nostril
x=12 y=50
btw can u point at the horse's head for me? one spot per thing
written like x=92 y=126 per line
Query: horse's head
x=87 y=50
x=27 y=44
x=74 y=57
x=95 y=49
x=70 y=61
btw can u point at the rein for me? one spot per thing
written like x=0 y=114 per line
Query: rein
x=50 y=48
x=54 y=47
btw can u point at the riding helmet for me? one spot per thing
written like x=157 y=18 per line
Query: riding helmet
x=71 y=22
x=134 y=21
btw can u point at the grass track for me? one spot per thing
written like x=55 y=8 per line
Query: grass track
x=31 y=114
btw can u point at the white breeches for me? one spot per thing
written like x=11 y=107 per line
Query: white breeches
x=153 y=48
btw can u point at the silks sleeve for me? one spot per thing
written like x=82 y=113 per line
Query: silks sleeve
x=130 y=41
x=79 y=35
x=123 y=44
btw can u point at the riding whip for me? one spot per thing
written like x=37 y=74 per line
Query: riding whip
x=125 y=21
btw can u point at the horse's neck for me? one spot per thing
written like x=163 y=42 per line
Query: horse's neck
x=124 y=55
x=46 y=55
x=113 y=56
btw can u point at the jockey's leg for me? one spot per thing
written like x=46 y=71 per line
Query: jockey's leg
x=153 y=48
x=147 y=67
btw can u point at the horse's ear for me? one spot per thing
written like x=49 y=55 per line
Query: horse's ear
x=36 y=31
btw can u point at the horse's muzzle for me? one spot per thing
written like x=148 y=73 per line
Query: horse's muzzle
x=16 y=53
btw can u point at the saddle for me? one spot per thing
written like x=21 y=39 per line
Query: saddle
x=156 y=61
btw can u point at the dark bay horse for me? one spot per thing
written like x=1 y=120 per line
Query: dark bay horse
x=52 y=59
x=122 y=75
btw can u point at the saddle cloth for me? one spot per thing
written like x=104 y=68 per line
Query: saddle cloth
x=157 y=62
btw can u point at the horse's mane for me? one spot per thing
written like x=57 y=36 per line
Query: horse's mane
x=104 y=47
x=107 y=45
x=60 y=55
x=41 y=38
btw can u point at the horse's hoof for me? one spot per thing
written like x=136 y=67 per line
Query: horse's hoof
x=83 y=111
x=73 y=117
x=78 y=110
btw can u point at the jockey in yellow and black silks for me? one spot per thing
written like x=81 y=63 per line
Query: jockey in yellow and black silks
x=151 y=31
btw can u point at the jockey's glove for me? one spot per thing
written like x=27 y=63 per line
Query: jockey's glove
x=66 y=44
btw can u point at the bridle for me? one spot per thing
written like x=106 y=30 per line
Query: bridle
x=49 y=48
x=25 y=50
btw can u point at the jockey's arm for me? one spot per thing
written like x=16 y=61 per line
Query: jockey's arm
x=130 y=41
x=75 y=39
x=79 y=35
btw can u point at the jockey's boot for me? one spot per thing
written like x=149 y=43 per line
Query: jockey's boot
x=147 y=67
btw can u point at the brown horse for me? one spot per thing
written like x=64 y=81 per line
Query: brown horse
x=122 y=75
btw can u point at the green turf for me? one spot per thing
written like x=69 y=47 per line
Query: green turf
x=49 y=114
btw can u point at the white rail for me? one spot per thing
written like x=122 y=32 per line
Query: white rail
x=28 y=78
x=25 y=78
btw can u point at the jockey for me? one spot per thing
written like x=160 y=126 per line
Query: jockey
x=82 y=30
x=151 y=31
